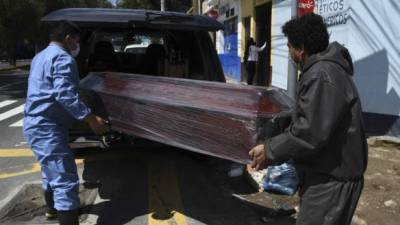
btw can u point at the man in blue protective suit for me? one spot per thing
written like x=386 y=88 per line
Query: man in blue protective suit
x=52 y=105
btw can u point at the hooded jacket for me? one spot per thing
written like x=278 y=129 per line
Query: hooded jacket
x=326 y=136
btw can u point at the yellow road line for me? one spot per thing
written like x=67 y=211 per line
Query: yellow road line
x=165 y=205
x=22 y=152
x=34 y=169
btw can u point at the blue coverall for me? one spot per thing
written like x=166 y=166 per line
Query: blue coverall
x=52 y=104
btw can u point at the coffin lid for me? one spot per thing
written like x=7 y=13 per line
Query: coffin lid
x=131 y=18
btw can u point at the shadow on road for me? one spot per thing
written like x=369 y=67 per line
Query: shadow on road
x=171 y=185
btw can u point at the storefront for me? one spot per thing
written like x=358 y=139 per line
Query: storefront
x=256 y=23
x=227 y=41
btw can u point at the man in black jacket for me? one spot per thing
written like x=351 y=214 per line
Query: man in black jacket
x=326 y=137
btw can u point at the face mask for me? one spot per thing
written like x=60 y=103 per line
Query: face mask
x=75 y=52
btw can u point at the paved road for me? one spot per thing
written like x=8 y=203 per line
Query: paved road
x=12 y=98
x=14 y=157
x=23 y=62
x=135 y=184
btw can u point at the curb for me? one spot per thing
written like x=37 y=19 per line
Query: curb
x=14 y=68
x=376 y=140
x=6 y=205
x=93 y=217
x=87 y=218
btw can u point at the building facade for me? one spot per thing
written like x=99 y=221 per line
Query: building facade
x=368 y=28
x=228 y=40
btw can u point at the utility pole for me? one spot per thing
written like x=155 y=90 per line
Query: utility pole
x=200 y=8
x=162 y=5
x=195 y=5
x=292 y=67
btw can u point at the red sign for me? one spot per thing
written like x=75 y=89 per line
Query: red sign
x=213 y=14
x=304 y=7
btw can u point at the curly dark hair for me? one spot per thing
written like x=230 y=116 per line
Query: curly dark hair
x=308 y=30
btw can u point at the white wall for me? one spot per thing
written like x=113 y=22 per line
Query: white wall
x=372 y=35
x=279 y=51
x=374 y=43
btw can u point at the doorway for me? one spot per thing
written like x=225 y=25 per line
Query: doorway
x=263 y=34
x=246 y=26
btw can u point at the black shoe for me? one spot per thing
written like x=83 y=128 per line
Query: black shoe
x=51 y=212
x=70 y=217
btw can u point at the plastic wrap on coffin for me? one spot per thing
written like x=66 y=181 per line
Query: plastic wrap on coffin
x=218 y=119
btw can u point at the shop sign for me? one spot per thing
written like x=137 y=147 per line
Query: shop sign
x=304 y=7
x=334 y=12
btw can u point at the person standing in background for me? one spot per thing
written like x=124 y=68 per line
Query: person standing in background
x=251 y=58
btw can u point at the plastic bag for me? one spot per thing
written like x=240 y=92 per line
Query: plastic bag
x=281 y=179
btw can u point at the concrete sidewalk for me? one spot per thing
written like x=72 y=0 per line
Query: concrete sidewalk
x=233 y=81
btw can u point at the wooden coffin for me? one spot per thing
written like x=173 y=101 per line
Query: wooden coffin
x=218 y=119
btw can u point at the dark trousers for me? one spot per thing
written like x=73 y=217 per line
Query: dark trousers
x=329 y=203
x=251 y=71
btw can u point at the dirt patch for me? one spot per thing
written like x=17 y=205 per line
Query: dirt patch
x=380 y=200
x=28 y=206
